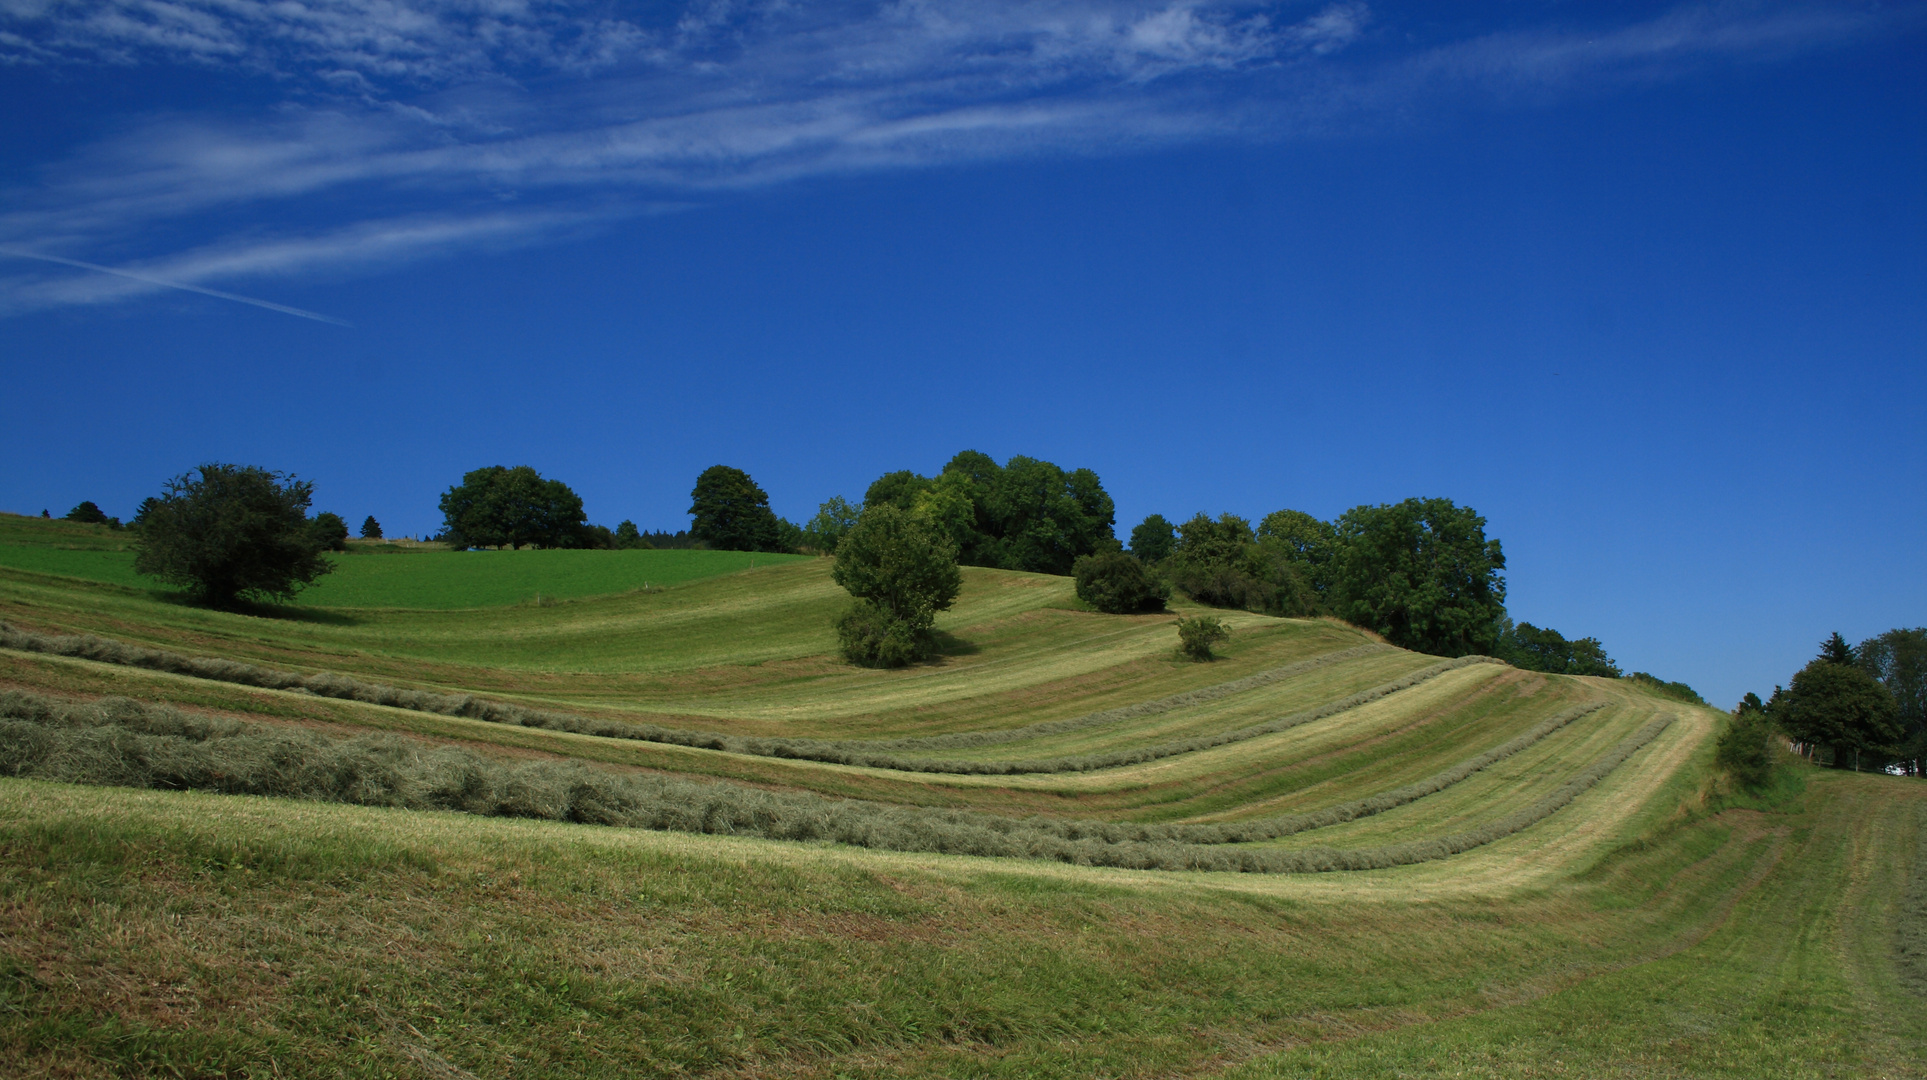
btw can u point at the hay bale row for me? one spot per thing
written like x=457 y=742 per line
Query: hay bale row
x=126 y=743
x=831 y=751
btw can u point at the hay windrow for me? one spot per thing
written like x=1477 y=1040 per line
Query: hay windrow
x=120 y=742
x=858 y=752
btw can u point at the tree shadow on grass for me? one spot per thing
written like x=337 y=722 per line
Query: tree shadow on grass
x=949 y=645
x=256 y=610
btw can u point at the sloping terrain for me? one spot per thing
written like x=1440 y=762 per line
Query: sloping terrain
x=1314 y=856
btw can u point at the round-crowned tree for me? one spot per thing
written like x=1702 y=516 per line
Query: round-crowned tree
x=501 y=507
x=232 y=532
x=732 y=513
x=1837 y=705
x=330 y=530
x=902 y=571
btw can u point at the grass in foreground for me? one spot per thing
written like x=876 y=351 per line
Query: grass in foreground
x=151 y=933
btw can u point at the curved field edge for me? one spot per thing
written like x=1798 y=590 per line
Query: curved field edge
x=164 y=931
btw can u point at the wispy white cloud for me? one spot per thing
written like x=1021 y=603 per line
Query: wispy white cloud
x=152 y=281
x=410 y=127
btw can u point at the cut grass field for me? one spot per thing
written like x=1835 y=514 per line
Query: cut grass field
x=1648 y=925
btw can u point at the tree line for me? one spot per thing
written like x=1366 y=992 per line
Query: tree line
x=1860 y=707
x=1421 y=573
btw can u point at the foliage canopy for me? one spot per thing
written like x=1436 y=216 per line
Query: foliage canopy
x=504 y=507
x=229 y=532
x=1422 y=574
x=732 y=513
x=902 y=571
x=1840 y=706
x=1026 y=514
x=1118 y=584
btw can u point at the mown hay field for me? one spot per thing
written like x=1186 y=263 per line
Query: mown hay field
x=669 y=833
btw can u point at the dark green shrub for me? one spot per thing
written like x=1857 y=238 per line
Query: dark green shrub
x=1196 y=636
x=1744 y=751
x=869 y=636
x=1524 y=645
x=1118 y=584
x=1678 y=691
x=1222 y=563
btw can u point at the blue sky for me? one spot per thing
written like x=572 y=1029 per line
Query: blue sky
x=1646 y=284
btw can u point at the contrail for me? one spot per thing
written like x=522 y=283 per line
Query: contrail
x=270 y=305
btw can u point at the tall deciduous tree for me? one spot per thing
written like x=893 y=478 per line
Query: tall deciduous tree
x=1842 y=707
x=231 y=532
x=503 y=507
x=1421 y=573
x=731 y=513
x=1898 y=658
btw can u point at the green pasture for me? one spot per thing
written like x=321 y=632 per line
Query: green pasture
x=392 y=576
x=180 y=934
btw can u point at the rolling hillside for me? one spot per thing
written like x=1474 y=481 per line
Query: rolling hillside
x=663 y=830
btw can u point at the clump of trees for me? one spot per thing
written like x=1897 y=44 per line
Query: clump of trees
x=1422 y=572
x=902 y=569
x=1859 y=707
x=1026 y=514
x=1526 y=646
x=512 y=507
x=231 y=532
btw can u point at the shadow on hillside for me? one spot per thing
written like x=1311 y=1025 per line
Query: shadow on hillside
x=949 y=645
x=277 y=612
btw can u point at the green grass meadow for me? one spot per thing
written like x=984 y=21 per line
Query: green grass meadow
x=392 y=575
x=1652 y=923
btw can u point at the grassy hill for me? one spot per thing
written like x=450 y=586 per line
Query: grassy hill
x=1559 y=886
